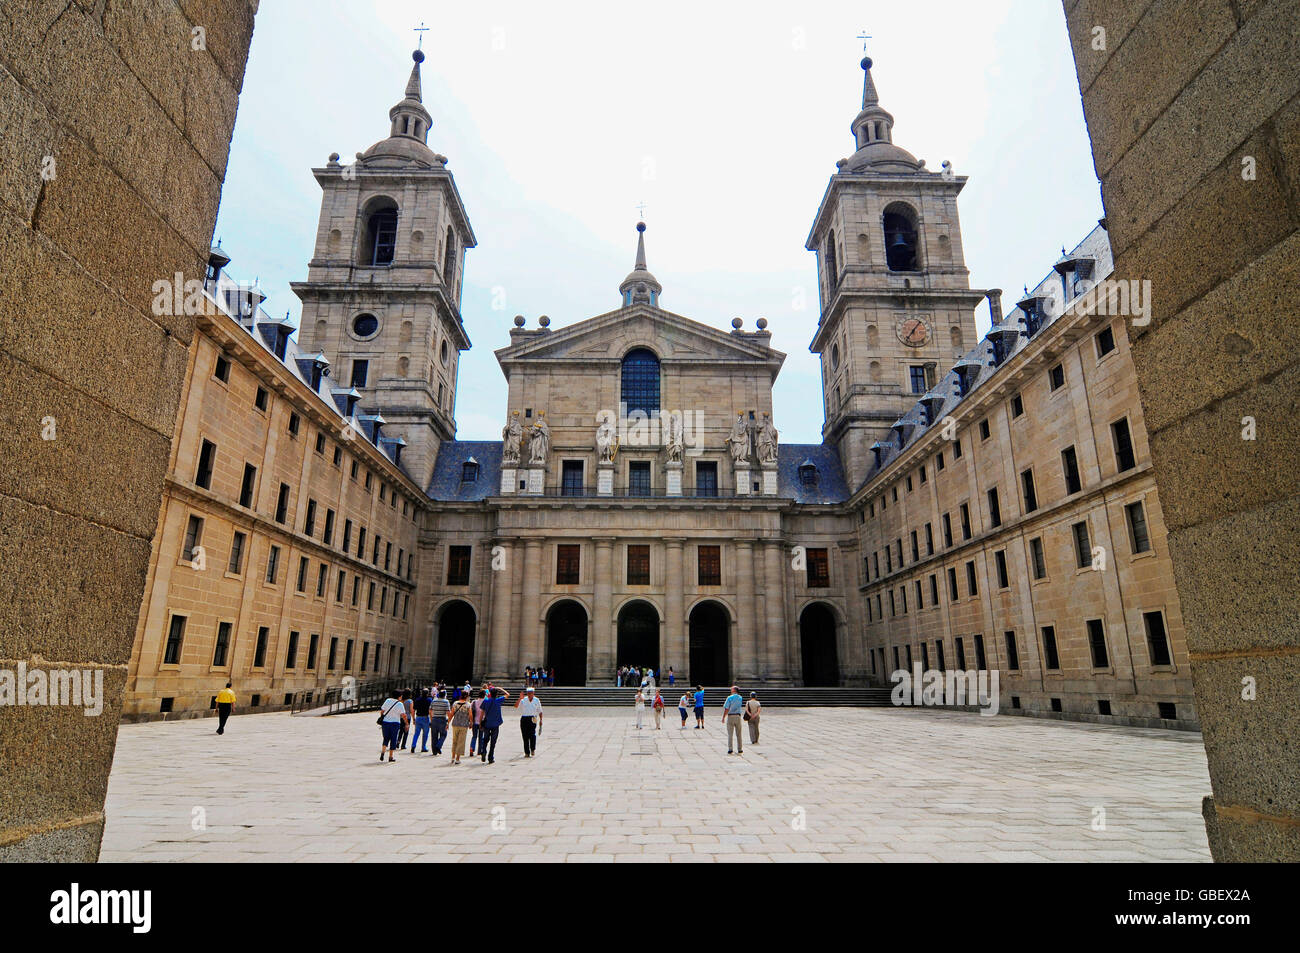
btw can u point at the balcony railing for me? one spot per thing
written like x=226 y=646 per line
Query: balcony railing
x=632 y=493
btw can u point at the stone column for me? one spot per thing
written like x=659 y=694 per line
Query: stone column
x=532 y=648
x=600 y=653
x=498 y=648
x=778 y=664
x=746 y=652
x=676 y=650
x=853 y=666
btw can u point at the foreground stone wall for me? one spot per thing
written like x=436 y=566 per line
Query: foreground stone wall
x=117 y=121
x=1194 y=113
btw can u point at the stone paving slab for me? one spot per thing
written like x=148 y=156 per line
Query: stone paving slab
x=838 y=784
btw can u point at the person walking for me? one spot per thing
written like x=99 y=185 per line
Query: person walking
x=406 y=725
x=672 y=677
x=640 y=707
x=683 y=704
x=439 y=708
x=658 y=707
x=752 y=712
x=530 y=719
x=731 y=717
x=462 y=719
x=225 y=705
x=699 y=707
x=392 y=715
x=477 y=728
x=490 y=730
x=420 y=706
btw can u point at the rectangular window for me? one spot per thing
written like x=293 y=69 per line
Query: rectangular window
x=956 y=449
x=1027 y=488
x=338 y=588
x=369 y=480
x=361 y=543
x=706 y=478
x=917 y=377
x=302 y=574
x=175 y=638
x=374 y=557
x=1082 y=545
x=347 y=535
x=1097 y=644
x=1105 y=342
x=1070 y=469
x=938 y=462
x=207 y=457
x=282 y=504
x=929 y=540
x=1123 y=440
x=638 y=478
x=313 y=643
x=889 y=560
x=370 y=596
x=320 y=443
x=934 y=589
x=295 y=423
x=920 y=595
x=193 y=538
x=365 y=655
x=259 y=653
x=261 y=399
x=571 y=478
x=925 y=656
x=568 y=563
x=638 y=565
x=965 y=521
x=383 y=599
x=322 y=575
x=338 y=455
x=1050 y=658
x=819 y=569
x=947 y=530
x=273 y=564
x=1138 y=536
x=1013 y=654
x=1000 y=561
x=921 y=475
x=981 y=662
x=1056 y=377
x=952 y=584
x=959 y=645
x=291 y=655
x=916 y=547
x=360 y=372
x=1017 y=406
x=247 y=485
x=1036 y=557
x=984 y=429
x=334 y=653
x=1157 y=641
x=309 y=521
x=995 y=508
x=875 y=561
x=970 y=579
x=458 y=565
x=328 y=536
x=710 y=566
x=236 y=564
x=347 y=655
x=222 y=371
x=401 y=555
x=893 y=605
x=388 y=555
x=938 y=655
x=356 y=589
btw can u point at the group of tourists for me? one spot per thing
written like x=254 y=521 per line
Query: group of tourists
x=640 y=675
x=539 y=676
x=735 y=712
x=465 y=713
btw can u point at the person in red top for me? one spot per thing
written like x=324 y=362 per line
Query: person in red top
x=658 y=709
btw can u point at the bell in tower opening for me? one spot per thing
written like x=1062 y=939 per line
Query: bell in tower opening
x=900 y=238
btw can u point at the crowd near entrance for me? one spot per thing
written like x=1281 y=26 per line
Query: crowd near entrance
x=710 y=645
x=638 y=636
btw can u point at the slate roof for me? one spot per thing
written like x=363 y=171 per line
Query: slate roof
x=829 y=487
x=446 y=483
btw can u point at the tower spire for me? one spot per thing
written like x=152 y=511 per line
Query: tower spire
x=640 y=287
x=873 y=135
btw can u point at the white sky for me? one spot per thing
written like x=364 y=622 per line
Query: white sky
x=725 y=119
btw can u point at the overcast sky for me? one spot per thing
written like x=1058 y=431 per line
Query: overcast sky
x=725 y=119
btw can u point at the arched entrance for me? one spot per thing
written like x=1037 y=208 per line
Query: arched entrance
x=638 y=636
x=566 y=642
x=710 y=645
x=821 y=661
x=456 y=625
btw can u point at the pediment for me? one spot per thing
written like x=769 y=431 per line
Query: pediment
x=609 y=336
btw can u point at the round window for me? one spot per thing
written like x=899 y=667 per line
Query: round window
x=444 y=352
x=835 y=357
x=364 y=325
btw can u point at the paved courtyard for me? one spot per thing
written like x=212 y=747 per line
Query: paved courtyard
x=824 y=785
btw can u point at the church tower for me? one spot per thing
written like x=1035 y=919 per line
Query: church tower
x=896 y=303
x=382 y=295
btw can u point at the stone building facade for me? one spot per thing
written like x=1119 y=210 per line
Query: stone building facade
x=641 y=508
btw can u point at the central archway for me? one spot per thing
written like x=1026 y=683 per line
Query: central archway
x=821 y=662
x=638 y=636
x=566 y=642
x=710 y=645
x=456 y=626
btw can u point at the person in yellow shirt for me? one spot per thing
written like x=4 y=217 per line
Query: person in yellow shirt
x=225 y=705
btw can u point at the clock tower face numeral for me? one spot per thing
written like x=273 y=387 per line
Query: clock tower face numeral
x=913 y=332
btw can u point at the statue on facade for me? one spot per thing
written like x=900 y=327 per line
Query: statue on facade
x=512 y=436
x=606 y=438
x=738 y=440
x=539 y=441
x=674 y=445
x=765 y=441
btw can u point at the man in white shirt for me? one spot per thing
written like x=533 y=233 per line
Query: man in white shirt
x=530 y=719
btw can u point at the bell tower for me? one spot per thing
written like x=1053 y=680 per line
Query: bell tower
x=896 y=303
x=383 y=289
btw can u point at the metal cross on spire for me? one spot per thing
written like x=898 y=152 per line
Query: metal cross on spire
x=641 y=210
x=864 y=36
x=421 y=30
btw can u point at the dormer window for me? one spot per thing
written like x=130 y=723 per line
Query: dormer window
x=469 y=471
x=808 y=473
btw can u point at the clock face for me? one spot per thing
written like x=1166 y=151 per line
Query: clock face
x=913 y=332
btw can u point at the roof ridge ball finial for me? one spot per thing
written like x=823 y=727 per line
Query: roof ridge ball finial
x=418 y=56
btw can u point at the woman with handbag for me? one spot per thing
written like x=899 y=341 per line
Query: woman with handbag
x=462 y=716
x=392 y=716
